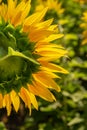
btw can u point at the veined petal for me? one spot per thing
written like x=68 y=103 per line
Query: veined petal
x=25 y=97
x=48 y=45
x=52 y=75
x=41 y=45
x=18 y=10
x=21 y=11
x=1 y=101
x=3 y=10
x=50 y=57
x=33 y=99
x=7 y=103
x=53 y=68
x=33 y=90
x=44 y=24
x=26 y=10
x=48 y=49
x=53 y=37
x=53 y=27
x=52 y=52
x=50 y=83
x=15 y=100
x=42 y=91
x=35 y=18
x=17 y=18
x=38 y=35
x=11 y=8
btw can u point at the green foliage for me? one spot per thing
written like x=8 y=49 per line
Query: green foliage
x=2 y=127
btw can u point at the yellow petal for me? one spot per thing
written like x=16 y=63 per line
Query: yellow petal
x=15 y=100
x=18 y=10
x=53 y=68
x=46 y=81
x=53 y=37
x=1 y=101
x=50 y=57
x=48 y=45
x=17 y=18
x=26 y=10
x=41 y=45
x=7 y=103
x=11 y=8
x=52 y=75
x=35 y=18
x=3 y=11
x=33 y=100
x=53 y=27
x=84 y=42
x=37 y=35
x=44 y=24
x=25 y=97
x=32 y=89
x=43 y=92
x=21 y=11
x=48 y=49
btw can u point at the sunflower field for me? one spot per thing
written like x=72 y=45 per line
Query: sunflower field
x=43 y=64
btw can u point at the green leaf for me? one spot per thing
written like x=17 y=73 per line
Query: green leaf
x=75 y=120
x=2 y=126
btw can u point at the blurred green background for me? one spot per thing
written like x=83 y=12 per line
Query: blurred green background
x=69 y=112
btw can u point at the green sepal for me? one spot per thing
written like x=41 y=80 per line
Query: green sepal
x=10 y=66
x=11 y=52
x=16 y=70
x=6 y=37
x=6 y=41
x=17 y=61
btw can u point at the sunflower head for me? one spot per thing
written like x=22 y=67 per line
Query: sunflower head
x=54 y=6
x=84 y=26
x=27 y=56
x=81 y=1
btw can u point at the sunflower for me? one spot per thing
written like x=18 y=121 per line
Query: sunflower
x=81 y=1
x=54 y=5
x=27 y=56
x=84 y=26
